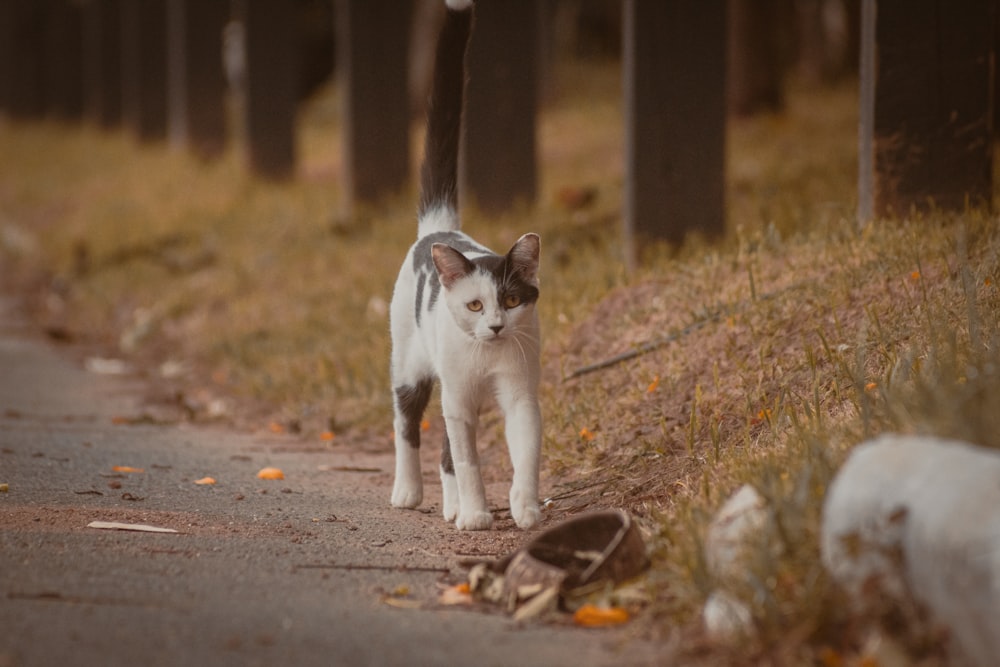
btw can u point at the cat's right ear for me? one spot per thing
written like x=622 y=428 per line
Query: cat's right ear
x=451 y=264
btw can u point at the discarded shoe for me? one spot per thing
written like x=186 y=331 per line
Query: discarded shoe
x=580 y=555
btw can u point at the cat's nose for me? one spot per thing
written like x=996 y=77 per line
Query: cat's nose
x=496 y=328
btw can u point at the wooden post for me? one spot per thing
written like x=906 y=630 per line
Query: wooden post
x=376 y=109
x=197 y=83
x=21 y=61
x=269 y=97
x=926 y=132
x=63 y=68
x=144 y=68
x=675 y=119
x=498 y=165
x=102 y=62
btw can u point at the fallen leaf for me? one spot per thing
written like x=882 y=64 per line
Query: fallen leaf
x=586 y=434
x=205 y=480
x=654 y=385
x=402 y=603
x=4 y=488
x=592 y=616
x=270 y=473
x=327 y=436
x=543 y=602
x=140 y=527
x=275 y=427
x=127 y=469
x=455 y=595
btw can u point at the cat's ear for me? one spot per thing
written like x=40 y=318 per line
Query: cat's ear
x=523 y=256
x=451 y=264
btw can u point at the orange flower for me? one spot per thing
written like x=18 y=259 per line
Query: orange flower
x=271 y=473
x=592 y=616
x=586 y=434
x=915 y=275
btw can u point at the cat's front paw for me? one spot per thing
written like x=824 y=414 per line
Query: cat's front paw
x=406 y=497
x=449 y=498
x=474 y=521
x=527 y=515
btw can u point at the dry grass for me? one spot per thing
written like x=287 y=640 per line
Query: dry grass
x=760 y=359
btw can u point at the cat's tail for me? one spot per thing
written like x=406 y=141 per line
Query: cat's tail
x=438 y=210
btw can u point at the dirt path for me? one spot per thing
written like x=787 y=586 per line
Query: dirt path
x=312 y=569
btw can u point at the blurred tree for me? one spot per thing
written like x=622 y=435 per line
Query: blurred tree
x=498 y=167
x=197 y=84
x=372 y=46
x=926 y=106
x=144 y=68
x=102 y=67
x=21 y=57
x=756 y=59
x=270 y=85
x=675 y=119
x=63 y=59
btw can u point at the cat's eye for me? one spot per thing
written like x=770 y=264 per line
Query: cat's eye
x=475 y=306
x=511 y=301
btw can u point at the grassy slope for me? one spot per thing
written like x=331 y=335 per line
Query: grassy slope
x=808 y=334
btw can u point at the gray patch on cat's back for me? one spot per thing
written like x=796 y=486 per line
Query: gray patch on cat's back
x=426 y=272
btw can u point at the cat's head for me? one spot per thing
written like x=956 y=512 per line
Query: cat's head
x=491 y=298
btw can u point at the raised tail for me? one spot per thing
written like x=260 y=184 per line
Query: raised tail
x=438 y=208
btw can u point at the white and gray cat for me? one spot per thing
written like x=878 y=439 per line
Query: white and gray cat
x=464 y=316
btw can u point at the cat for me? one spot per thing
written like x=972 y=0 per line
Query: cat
x=464 y=316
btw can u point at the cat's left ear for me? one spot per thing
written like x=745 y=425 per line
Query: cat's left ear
x=523 y=256
x=451 y=264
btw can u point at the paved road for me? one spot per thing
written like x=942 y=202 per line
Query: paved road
x=292 y=572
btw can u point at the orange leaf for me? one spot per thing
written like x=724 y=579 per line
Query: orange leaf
x=586 y=434
x=456 y=595
x=592 y=616
x=327 y=436
x=275 y=427
x=653 y=385
x=205 y=480
x=271 y=473
x=127 y=469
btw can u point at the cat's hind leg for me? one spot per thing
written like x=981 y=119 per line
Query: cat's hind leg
x=410 y=401
x=449 y=484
